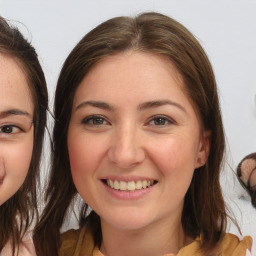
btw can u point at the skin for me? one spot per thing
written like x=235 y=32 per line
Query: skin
x=16 y=127
x=253 y=179
x=247 y=167
x=133 y=139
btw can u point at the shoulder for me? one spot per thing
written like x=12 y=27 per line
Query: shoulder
x=231 y=245
x=228 y=245
x=71 y=235
x=76 y=242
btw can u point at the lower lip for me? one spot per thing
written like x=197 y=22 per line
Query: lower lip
x=128 y=195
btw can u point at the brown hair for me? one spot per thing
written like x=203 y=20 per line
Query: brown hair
x=204 y=209
x=24 y=202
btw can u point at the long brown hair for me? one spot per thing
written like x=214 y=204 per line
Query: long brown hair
x=204 y=211
x=24 y=203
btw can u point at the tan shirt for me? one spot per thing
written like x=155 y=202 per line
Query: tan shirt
x=80 y=243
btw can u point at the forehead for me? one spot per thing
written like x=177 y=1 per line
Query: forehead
x=132 y=70
x=133 y=73
x=14 y=88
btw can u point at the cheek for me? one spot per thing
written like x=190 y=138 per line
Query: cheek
x=16 y=159
x=174 y=155
x=84 y=155
x=175 y=160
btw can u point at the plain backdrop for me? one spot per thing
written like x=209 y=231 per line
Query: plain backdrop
x=226 y=29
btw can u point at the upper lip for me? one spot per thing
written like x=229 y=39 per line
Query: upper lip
x=126 y=178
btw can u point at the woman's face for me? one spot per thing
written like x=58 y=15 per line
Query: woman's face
x=134 y=141
x=16 y=127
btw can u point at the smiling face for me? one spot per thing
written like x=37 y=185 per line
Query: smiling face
x=134 y=141
x=16 y=127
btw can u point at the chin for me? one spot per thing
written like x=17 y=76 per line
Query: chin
x=130 y=220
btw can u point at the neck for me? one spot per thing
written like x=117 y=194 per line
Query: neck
x=157 y=239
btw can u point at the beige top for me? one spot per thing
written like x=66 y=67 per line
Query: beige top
x=80 y=243
x=26 y=248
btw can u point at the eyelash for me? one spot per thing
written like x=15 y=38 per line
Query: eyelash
x=94 y=118
x=163 y=118
x=10 y=129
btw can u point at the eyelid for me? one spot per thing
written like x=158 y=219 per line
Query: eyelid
x=18 y=122
x=10 y=125
x=167 y=118
x=91 y=117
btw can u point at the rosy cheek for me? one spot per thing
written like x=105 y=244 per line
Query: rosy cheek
x=74 y=157
x=16 y=159
x=80 y=157
x=20 y=158
x=172 y=152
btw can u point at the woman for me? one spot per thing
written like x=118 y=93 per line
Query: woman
x=23 y=104
x=139 y=136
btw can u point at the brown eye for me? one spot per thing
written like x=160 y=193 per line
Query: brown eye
x=95 y=120
x=7 y=129
x=160 y=121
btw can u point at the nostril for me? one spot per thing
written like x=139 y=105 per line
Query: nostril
x=126 y=157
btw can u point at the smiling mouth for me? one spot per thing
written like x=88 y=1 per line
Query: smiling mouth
x=129 y=185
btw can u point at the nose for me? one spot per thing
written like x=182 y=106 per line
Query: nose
x=126 y=150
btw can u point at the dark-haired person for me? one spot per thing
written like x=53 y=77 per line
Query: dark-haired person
x=23 y=105
x=139 y=135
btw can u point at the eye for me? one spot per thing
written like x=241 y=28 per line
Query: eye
x=95 y=120
x=160 y=121
x=9 y=129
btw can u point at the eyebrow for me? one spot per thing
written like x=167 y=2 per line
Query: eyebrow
x=142 y=106
x=159 y=103
x=96 y=104
x=14 y=112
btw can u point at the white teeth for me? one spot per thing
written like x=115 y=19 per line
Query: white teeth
x=123 y=185
x=138 y=184
x=130 y=185
x=144 y=183
x=116 y=184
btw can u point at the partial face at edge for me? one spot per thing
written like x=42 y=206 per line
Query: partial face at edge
x=134 y=140
x=16 y=127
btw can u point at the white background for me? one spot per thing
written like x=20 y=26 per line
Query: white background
x=226 y=29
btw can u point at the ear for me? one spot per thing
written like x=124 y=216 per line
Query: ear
x=204 y=149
